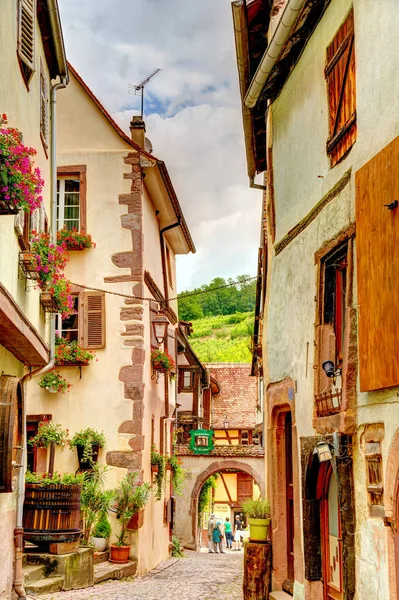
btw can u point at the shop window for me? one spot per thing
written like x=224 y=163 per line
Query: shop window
x=341 y=86
x=71 y=198
x=87 y=325
x=26 y=37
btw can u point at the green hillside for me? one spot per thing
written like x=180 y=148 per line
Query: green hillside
x=223 y=338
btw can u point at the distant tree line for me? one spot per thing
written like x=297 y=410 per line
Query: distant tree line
x=227 y=301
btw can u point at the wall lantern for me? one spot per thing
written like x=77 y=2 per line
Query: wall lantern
x=225 y=422
x=330 y=370
x=323 y=451
x=160 y=327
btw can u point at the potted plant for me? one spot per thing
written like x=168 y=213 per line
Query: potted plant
x=87 y=443
x=71 y=353
x=178 y=473
x=54 y=383
x=158 y=469
x=95 y=501
x=74 y=240
x=50 y=433
x=130 y=497
x=48 y=259
x=100 y=534
x=20 y=181
x=162 y=361
x=52 y=506
x=258 y=513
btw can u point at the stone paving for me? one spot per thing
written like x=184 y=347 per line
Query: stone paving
x=197 y=576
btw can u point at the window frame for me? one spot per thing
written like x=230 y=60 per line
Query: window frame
x=77 y=172
x=83 y=318
x=182 y=371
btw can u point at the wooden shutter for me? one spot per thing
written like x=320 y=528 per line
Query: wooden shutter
x=26 y=35
x=244 y=487
x=325 y=350
x=340 y=74
x=10 y=431
x=94 y=320
x=377 y=250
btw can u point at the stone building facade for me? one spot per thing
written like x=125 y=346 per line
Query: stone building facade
x=314 y=79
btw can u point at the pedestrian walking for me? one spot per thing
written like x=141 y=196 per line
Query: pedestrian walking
x=217 y=538
x=237 y=532
x=211 y=527
x=228 y=532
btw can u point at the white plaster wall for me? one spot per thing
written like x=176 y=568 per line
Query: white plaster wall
x=302 y=176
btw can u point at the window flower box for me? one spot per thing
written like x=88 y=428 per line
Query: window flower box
x=49 y=303
x=71 y=239
x=71 y=354
x=28 y=263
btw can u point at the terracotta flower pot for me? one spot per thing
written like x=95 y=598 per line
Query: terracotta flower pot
x=154 y=469
x=137 y=521
x=119 y=554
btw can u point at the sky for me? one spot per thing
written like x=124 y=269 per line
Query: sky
x=192 y=112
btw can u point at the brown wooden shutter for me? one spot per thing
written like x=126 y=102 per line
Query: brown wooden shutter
x=26 y=33
x=10 y=431
x=340 y=74
x=94 y=320
x=377 y=250
x=245 y=487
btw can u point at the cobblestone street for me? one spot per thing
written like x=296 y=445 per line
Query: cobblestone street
x=197 y=576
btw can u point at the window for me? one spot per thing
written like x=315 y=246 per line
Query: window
x=26 y=37
x=87 y=326
x=334 y=302
x=43 y=106
x=186 y=380
x=201 y=440
x=340 y=75
x=244 y=437
x=71 y=198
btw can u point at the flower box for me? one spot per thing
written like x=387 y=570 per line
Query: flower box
x=28 y=263
x=154 y=469
x=137 y=521
x=70 y=363
x=48 y=303
x=7 y=206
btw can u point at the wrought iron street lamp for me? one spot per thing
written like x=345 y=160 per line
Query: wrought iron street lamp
x=160 y=327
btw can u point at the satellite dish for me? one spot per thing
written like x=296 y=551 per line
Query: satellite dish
x=147 y=145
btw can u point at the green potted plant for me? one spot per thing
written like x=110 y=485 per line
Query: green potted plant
x=100 y=534
x=130 y=497
x=87 y=443
x=178 y=473
x=258 y=513
x=95 y=502
x=158 y=469
x=54 y=383
x=71 y=353
x=162 y=361
x=48 y=433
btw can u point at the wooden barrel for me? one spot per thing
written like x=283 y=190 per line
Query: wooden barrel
x=10 y=431
x=52 y=512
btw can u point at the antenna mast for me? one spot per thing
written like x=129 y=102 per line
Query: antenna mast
x=139 y=88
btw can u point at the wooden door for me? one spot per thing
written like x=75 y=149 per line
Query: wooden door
x=290 y=498
x=331 y=538
x=245 y=488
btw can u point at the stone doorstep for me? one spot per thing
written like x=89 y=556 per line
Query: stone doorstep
x=106 y=570
x=279 y=596
x=100 y=557
x=33 y=573
x=45 y=586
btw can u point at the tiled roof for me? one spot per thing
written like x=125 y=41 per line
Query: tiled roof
x=226 y=451
x=237 y=398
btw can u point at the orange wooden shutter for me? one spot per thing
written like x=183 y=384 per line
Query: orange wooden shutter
x=340 y=74
x=94 y=320
x=377 y=249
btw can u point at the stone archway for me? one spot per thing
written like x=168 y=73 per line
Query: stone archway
x=213 y=468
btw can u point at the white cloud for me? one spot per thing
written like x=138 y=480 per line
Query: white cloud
x=195 y=120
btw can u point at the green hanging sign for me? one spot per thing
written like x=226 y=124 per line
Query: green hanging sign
x=201 y=441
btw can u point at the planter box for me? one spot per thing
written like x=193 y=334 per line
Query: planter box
x=48 y=303
x=7 y=207
x=154 y=469
x=71 y=364
x=52 y=513
x=27 y=260
x=85 y=465
x=137 y=521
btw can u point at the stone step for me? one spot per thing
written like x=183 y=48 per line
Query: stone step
x=34 y=573
x=279 y=596
x=100 y=557
x=106 y=570
x=45 y=586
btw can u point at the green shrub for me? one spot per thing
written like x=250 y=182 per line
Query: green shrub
x=177 y=550
x=256 y=509
x=103 y=528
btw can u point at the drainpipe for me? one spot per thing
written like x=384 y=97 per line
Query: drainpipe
x=165 y=281
x=18 y=582
x=273 y=51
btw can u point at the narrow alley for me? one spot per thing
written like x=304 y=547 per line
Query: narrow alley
x=197 y=576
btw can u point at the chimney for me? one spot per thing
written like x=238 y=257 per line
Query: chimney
x=137 y=130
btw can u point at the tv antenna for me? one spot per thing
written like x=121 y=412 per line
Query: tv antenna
x=139 y=88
